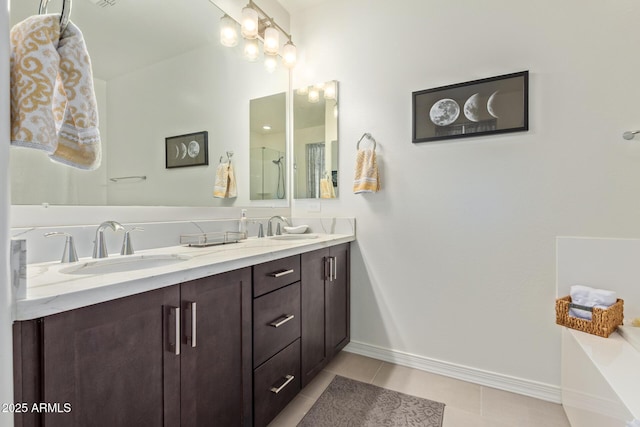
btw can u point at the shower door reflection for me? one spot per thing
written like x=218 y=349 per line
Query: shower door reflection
x=268 y=169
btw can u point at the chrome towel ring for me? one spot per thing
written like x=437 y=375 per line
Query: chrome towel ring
x=368 y=136
x=64 y=15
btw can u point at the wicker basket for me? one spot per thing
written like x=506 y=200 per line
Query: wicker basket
x=602 y=323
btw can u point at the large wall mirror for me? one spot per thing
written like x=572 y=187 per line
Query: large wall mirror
x=315 y=141
x=159 y=71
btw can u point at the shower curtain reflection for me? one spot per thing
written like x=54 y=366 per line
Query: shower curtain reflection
x=268 y=169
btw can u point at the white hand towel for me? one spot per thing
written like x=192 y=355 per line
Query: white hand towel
x=53 y=103
x=590 y=297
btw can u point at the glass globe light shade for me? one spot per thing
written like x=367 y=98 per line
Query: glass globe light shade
x=228 y=31
x=271 y=41
x=249 y=23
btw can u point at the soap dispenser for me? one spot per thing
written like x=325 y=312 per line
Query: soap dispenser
x=242 y=227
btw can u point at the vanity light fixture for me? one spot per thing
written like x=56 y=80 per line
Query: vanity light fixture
x=271 y=41
x=228 y=31
x=257 y=25
x=249 y=22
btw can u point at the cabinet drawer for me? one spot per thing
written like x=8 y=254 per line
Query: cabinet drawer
x=276 y=322
x=276 y=383
x=273 y=275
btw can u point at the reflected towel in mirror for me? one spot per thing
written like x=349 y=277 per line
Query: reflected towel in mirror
x=225 y=186
x=326 y=189
x=53 y=103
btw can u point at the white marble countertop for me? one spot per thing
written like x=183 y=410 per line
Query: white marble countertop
x=619 y=364
x=50 y=291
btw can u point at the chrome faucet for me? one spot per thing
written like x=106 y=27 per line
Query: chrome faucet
x=99 y=245
x=278 y=231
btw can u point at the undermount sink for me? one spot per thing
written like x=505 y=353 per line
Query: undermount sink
x=294 y=236
x=123 y=263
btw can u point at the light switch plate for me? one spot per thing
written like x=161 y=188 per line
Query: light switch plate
x=313 y=207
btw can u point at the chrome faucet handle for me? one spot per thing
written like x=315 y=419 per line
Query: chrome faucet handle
x=100 y=247
x=260 y=230
x=127 y=246
x=69 y=254
x=278 y=230
x=269 y=226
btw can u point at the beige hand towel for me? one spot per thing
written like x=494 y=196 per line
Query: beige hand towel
x=53 y=103
x=367 y=179
x=225 y=186
x=326 y=189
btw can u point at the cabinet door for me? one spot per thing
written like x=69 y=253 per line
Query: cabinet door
x=112 y=364
x=337 y=301
x=312 y=289
x=216 y=366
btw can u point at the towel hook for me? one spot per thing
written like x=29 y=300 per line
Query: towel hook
x=630 y=134
x=368 y=136
x=64 y=15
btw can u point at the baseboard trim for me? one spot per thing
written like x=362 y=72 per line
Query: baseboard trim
x=517 y=385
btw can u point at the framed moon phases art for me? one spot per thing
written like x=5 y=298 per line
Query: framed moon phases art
x=480 y=107
x=187 y=150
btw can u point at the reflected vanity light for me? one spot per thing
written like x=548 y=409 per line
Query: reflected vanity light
x=314 y=95
x=257 y=25
x=251 y=49
x=270 y=62
x=330 y=90
x=266 y=127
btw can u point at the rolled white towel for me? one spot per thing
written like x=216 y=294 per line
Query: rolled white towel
x=590 y=297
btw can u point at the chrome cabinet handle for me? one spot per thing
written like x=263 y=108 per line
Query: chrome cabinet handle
x=288 y=379
x=192 y=307
x=327 y=263
x=281 y=273
x=175 y=345
x=284 y=320
x=335 y=268
x=331 y=268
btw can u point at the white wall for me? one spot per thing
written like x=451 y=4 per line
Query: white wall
x=455 y=257
x=6 y=377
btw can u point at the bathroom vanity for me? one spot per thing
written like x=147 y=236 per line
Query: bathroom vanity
x=225 y=337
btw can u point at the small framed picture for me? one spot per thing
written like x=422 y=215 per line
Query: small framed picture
x=480 y=107
x=187 y=150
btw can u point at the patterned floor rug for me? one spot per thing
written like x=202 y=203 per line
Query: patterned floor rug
x=352 y=403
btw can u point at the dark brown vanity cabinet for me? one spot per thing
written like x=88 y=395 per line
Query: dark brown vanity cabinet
x=325 y=284
x=176 y=356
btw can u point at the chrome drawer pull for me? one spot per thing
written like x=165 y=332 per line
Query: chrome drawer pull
x=284 y=320
x=277 y=390
x=281 y=273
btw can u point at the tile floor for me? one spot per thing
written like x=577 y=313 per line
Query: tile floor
x=467 y=404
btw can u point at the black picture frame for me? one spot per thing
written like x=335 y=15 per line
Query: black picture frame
x=191 y=149
x=480 y=107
